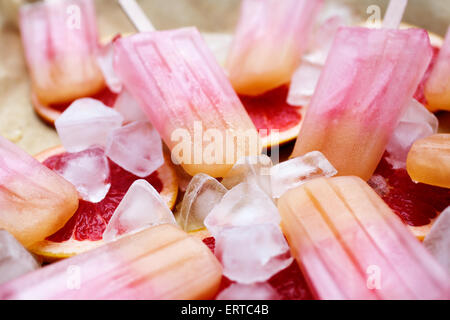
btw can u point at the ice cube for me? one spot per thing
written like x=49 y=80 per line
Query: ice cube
x=105 y=60
x=88 y=171
x=252 y=253
x=141 y=207
x=293 y=173
x=85 y=123
x=438 y=240
x=416 y=123
x=306 y=77
x=202 y=194
x=245 y=204
x=254 y=291
x=379 y=184
x=128 y=107
x=137 y=148
x=253 y=170
x=303 y=84
x=15 y=260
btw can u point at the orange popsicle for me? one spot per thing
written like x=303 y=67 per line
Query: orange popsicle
x=60 y=41
x=350 y=244
x=270 y=39
x=368 y=80
x=35 y=202
x=437 y=88
x=161 y=262
x=429 y=160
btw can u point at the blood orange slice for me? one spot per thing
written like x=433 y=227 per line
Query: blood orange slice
x=270 y=111
x=84 y=230
x=417 y=204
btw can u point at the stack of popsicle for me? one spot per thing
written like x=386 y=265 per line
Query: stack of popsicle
x=369 y=78
x=269 y=42
x=350 y=245
x=61 y=42
x=161 y=262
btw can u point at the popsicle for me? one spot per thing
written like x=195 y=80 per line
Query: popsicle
x=35 y=202
x=188 y=99
x=61 y=42
x=350 y=245
x=161 y=262
x=368 y=80
x=270 y=38
x=437 y=88
x=429 y=160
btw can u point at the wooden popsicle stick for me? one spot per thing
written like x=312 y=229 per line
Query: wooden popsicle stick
x=394 y=14
x=136 y=15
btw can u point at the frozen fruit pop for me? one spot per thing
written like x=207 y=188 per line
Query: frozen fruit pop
x=161 y=262
x=437 y=88
x=187 y=98
x=368 y=80
x=61 y=43
x=35 y=202
x=269 y=42
x=429 y=160
x=350 y=244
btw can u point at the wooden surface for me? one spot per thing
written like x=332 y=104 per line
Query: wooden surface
x=18 y=121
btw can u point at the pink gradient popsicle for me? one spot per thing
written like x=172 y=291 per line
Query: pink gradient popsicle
x=35 y=202
x=437 y=88
x=350 y=245
x=368 y=80
x=269 y=42
x=161 y=262
x=61 y=42
x=187 y=97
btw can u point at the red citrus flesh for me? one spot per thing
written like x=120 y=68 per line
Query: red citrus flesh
x=290 y=284
x=91 y=219
x=415 y=203
x=271 y=111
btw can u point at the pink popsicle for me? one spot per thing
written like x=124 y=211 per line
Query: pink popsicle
x=188 y=99
x=369 y=78
x=61 y=42
x=161 y=262
x=351 y=245
x=437 y=89
x=35 y=202
x=269 y=42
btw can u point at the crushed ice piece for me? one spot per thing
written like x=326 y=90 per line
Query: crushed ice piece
x=89 y=172
x=416 y=123
x=379 y=184
x=202 y=194
x=253 y=170
x=246 y=204
x=303 y=84
x=137 y=148
x=252 y=253
x=293 y=173
x=105 y=60
x=128 y=107
x=438 y=239
x=85 y=123
x=254 y=291
x=15 y=260
x=141 y=207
